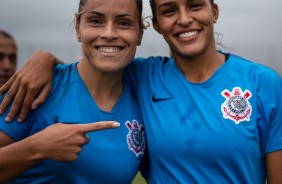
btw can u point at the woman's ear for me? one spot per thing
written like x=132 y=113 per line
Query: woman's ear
x=140 y=36
x=156 y=25
x=77 y=31
x=215 y=13
x=78 y=38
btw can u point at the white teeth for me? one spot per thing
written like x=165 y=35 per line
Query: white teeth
x=188 y=34
x=109 y=49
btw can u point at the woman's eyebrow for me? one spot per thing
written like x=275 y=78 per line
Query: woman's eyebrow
x=101 y=14
x=95 y=12
x=125 y=15
x=169 y=3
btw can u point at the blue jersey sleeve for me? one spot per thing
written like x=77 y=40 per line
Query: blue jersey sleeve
x=15 y=130
x=270 y=93
x=19 y=131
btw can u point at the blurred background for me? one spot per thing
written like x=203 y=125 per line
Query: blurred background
x=249 y=28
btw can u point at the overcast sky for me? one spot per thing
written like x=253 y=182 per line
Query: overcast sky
x=250 y=28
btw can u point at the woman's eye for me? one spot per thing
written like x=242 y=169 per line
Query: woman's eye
x=124 y=23
x=168 y=12
x=196 y=6
x=95 y=21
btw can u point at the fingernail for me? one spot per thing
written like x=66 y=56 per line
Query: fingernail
x=34 y=107
x=8 y=119
x=20 y=120
x=116 y=125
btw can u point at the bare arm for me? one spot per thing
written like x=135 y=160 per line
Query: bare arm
x=16 y=157
x=59 y=142
x=29 y=86
x=274 y=167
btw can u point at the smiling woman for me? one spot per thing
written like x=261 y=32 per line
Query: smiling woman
x=58 y=149
x=118 y=37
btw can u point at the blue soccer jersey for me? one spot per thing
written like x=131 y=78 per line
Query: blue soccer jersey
x=217 y=131
x=112 y=156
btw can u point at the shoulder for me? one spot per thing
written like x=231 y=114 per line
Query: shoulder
x=153 y=61
x=65 y=70
x=264 y=81
x=64 y=75
x=252 y=69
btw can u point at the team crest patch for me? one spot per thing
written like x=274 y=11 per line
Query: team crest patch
x=236 y=106
x=135 y=137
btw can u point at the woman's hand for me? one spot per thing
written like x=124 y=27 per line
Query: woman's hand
x=63 y=142
x=59 y=142
x=29 y=86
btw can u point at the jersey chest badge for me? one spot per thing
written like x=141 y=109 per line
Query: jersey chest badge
x=236 y=106
x=135 y=137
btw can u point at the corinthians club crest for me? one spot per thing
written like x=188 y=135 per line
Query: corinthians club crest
x=236 y=106
x=135 y=137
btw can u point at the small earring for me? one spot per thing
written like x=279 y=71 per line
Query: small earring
x=78 y=39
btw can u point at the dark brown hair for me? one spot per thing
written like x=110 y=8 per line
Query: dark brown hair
x=6 y=34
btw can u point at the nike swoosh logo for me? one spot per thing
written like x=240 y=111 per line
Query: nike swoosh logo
x=158 y=99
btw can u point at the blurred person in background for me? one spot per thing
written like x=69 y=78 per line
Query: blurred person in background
x=8 y=56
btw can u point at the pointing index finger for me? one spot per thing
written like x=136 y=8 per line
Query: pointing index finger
x=101 y=125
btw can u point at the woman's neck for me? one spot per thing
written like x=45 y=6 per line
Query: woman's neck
x=105 y=88
x=200 y=68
